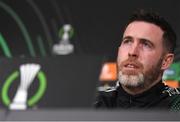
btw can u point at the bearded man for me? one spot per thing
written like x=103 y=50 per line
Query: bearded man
x=146 y=50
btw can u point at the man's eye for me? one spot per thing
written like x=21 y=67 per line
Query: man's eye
x=146 y=44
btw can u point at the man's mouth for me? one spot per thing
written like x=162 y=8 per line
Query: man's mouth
x=131 y=66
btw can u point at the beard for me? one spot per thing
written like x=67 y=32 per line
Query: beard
x=131 y=80
x=139 y=78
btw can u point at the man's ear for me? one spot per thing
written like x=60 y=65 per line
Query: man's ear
x=167 y=61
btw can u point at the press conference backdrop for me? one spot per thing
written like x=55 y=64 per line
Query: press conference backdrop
x=32 y=27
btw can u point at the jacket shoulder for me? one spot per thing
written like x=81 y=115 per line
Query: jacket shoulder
x=174 y=96
x=106 y=97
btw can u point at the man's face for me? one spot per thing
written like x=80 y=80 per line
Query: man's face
x=140 y=54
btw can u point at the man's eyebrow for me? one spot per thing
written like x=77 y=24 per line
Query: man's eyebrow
x=143 y=39
x=146 y=40
x=127 y=37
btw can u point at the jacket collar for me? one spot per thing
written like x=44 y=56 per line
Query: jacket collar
x=142 y=99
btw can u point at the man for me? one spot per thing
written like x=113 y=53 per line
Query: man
x=146 y=50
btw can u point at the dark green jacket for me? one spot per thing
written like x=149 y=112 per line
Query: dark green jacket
x=158 y=97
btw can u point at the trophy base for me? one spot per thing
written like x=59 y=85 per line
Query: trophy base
x=63 y=49
x=17 y=106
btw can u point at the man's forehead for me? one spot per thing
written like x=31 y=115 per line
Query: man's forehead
x=141 y=29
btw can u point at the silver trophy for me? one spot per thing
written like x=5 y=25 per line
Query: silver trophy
x=27 y=75
x=64 y=47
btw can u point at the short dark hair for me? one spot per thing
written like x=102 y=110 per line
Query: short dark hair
x=150 y=16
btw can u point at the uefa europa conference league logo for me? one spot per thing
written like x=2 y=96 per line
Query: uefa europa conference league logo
x=28 y=72
x=64 y=47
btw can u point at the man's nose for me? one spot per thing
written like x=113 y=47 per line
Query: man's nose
x=134 y=50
